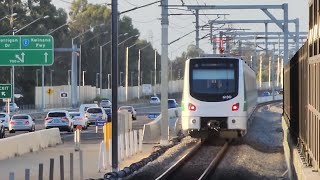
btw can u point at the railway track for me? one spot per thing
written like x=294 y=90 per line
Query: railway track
x=178 y=169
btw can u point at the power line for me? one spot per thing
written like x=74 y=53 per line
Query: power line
x=138 y=7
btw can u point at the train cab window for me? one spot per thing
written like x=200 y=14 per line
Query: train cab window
x=214 y=80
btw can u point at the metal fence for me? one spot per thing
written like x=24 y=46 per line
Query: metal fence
x=302 y=103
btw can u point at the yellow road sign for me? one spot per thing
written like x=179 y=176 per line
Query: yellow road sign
x=50 y=91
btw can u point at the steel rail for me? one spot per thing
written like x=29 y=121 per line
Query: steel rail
x=215 y=162
x=180 y=162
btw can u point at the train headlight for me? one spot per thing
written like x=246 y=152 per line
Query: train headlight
x=193 y=121
x=233 y=121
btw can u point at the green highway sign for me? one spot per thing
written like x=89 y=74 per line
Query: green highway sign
x=5 y=91
x=26 y=50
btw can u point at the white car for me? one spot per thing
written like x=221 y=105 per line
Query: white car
x=13 y=107
x=105 y=104
x=79 y=119
x=83 y=107
x=4 y=119
x=59 y=119
x=155 y=100
x=21 y=122
x=94 y=114
x=129 y=109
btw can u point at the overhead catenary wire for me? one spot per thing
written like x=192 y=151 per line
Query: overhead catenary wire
x=139 y=7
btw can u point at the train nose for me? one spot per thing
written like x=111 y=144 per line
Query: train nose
x=214 y=124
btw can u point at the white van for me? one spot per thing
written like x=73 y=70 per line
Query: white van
x=83 y=107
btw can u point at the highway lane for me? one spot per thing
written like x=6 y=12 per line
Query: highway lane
x=89 y=134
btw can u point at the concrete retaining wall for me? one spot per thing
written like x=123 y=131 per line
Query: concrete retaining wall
x=151 y=131
x=28 y=142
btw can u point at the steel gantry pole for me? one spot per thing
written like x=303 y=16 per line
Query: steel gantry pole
x=266 y=37
x=286 y=32
x=278 y=65
x=164 y=140
x=155 y=71
x=114 y=54
x=297 y=34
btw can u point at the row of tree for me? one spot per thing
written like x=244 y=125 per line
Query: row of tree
x=82 y=17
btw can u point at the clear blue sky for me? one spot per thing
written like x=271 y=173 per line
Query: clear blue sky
x=148 y=23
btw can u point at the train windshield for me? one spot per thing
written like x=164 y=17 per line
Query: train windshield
x=214 y=80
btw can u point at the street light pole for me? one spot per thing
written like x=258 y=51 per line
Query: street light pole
x=69 y=73
x=83 y=77
x=15 y=32
x=109 y=75
x=131 y=78
x=51 y=77
x=37 y=78
x=121 y=78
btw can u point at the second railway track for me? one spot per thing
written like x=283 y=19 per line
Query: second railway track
x=198 y=163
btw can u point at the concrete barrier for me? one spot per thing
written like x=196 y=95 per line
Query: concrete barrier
x=269 y=98
x=29 y=142
x=151 y=131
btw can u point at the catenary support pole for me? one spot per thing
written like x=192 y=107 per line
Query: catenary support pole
x=114 y=40
x=164 y=75
x=74 y=78
x=100 y=75
x=197 y=28
x=139 y=74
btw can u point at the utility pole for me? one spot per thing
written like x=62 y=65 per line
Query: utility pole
x=270 y=72
x=278 y=67
x=114 y=39
x=164 y=139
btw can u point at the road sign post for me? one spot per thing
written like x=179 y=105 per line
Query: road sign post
x=26 y=50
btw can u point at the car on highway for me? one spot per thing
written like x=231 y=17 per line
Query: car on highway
x=266 y=93
x=21 y=122
x=4 y=119
x=155 y=100
x=172 y=103
x=129 y=109
x=79 y=119
x=106 y=103
x=13 y=107
x=59 y=119
x=83 y=107
x=2 y=131
x=109 y=113
x=95 y=113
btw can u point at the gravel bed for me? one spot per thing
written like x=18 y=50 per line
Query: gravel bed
x=153 y=169
x=259 y=155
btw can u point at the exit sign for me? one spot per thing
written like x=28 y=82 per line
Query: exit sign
x=5 y=91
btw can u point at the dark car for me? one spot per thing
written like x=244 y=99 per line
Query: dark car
x=172 y=103
x=109 y=113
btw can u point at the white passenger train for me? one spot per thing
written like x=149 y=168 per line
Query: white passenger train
x=219 y=95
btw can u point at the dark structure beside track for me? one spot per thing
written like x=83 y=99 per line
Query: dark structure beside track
x=302 y=93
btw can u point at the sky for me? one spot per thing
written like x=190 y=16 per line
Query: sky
x=147 y=19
